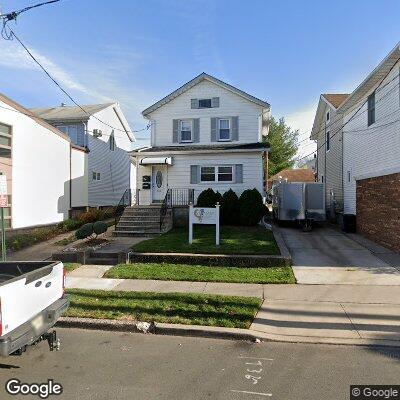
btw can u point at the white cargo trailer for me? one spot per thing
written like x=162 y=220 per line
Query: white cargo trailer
x=299 y=201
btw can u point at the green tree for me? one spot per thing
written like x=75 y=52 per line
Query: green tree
x=283 y=146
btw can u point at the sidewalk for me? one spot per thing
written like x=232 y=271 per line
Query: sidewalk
x=339 y=314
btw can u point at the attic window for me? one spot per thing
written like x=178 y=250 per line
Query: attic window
x=371 y=109
x=327 y=116
x=205 y=103
x=112 y=141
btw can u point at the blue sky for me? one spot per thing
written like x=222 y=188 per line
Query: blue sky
x=135 y=52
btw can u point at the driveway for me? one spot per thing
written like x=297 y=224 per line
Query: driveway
x=328 y=256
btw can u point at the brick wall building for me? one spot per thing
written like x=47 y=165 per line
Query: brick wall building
x=378 y=209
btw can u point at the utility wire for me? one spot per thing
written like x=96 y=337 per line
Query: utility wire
x=9 y=34
x=358 y=109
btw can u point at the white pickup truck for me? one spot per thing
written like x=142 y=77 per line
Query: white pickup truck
x=31 y=300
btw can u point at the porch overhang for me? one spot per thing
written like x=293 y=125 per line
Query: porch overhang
x=155 y=161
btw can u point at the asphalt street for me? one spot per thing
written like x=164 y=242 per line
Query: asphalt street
x=110 y=365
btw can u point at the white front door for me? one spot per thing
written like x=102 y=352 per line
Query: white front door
x=159 y=183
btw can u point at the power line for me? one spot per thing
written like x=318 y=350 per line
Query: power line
x=12 y=16
x=358 y=109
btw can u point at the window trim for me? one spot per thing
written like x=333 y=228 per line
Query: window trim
x=219 y=129
x=96 y=176
x=190 y=121
x=216 y=173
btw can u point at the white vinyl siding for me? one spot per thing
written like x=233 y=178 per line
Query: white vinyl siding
x=329 y=159
x=110 y=158
x=372 y=150
x=179 y=173
x=230 y=104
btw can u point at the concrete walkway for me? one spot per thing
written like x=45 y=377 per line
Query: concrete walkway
x=340 y=314
x=328 y=256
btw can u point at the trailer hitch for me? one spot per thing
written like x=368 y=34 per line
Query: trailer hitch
x=52 y=340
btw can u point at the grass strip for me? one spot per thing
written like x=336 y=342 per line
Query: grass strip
x=176 y=308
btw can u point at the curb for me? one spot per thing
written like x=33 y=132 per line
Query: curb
x=212 y=332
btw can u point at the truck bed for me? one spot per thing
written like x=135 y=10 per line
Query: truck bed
x=12 y=270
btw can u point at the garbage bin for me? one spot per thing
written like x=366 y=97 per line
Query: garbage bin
x=349 y=223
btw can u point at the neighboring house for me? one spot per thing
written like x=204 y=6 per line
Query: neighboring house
x=328 y=135
x=105 y=132
x=292 y=175
x=40 y=162
x=309 y=163
x=363 y=156
x=206 y=134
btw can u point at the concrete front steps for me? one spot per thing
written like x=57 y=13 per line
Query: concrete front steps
x=142 y=221
x=102 y=258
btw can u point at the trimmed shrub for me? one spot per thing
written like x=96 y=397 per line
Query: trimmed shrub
x=69 y=225
x=100 y=227
x=84 y=231
x=251 y=207
x=229 y=208
x=208 y=198
x=92 y=215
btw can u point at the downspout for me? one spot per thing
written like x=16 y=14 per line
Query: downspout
x=70 y=178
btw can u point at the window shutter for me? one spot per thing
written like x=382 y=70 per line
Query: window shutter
x=239 y=173
x=175 y=131
x=235 y=128
x=215 y=102
x=194 y=177
x=194 y=103
x=214 y=122
x=196 y=130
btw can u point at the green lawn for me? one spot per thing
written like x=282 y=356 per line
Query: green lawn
x=234 y=240
x=200 y=273
x=178 y=308
x=71 y=266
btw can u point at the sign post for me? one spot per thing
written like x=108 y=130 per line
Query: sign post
x=3 y=204
x=204 y=216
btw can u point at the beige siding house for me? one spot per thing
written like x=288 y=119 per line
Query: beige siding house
x=327 y=133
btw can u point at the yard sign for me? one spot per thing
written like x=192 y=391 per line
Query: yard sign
x=204 y=216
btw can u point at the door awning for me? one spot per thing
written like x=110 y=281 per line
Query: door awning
x=155 y=160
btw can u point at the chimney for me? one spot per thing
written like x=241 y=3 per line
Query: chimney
x=62 y=104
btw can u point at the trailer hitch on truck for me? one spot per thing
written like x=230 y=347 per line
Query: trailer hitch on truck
x=32 y=299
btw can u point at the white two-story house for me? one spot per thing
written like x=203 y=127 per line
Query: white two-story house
x=358 y=152
x=104 y=131
x=206 y=134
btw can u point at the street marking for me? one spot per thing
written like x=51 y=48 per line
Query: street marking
x=257 y=358
x=248 y=392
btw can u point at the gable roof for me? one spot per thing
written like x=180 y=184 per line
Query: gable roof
x=31 y=115
x=374 y=78
x=294 y=175
x=202 y=77
x=69 y=112
x=335 y=99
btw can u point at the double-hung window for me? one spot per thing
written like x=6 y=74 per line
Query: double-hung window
x=371 y=109
x=223 y=173
x=186 y=131
x=5 y=141
x=224 y=129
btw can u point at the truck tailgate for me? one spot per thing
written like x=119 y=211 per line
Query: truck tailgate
x=26 y=296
